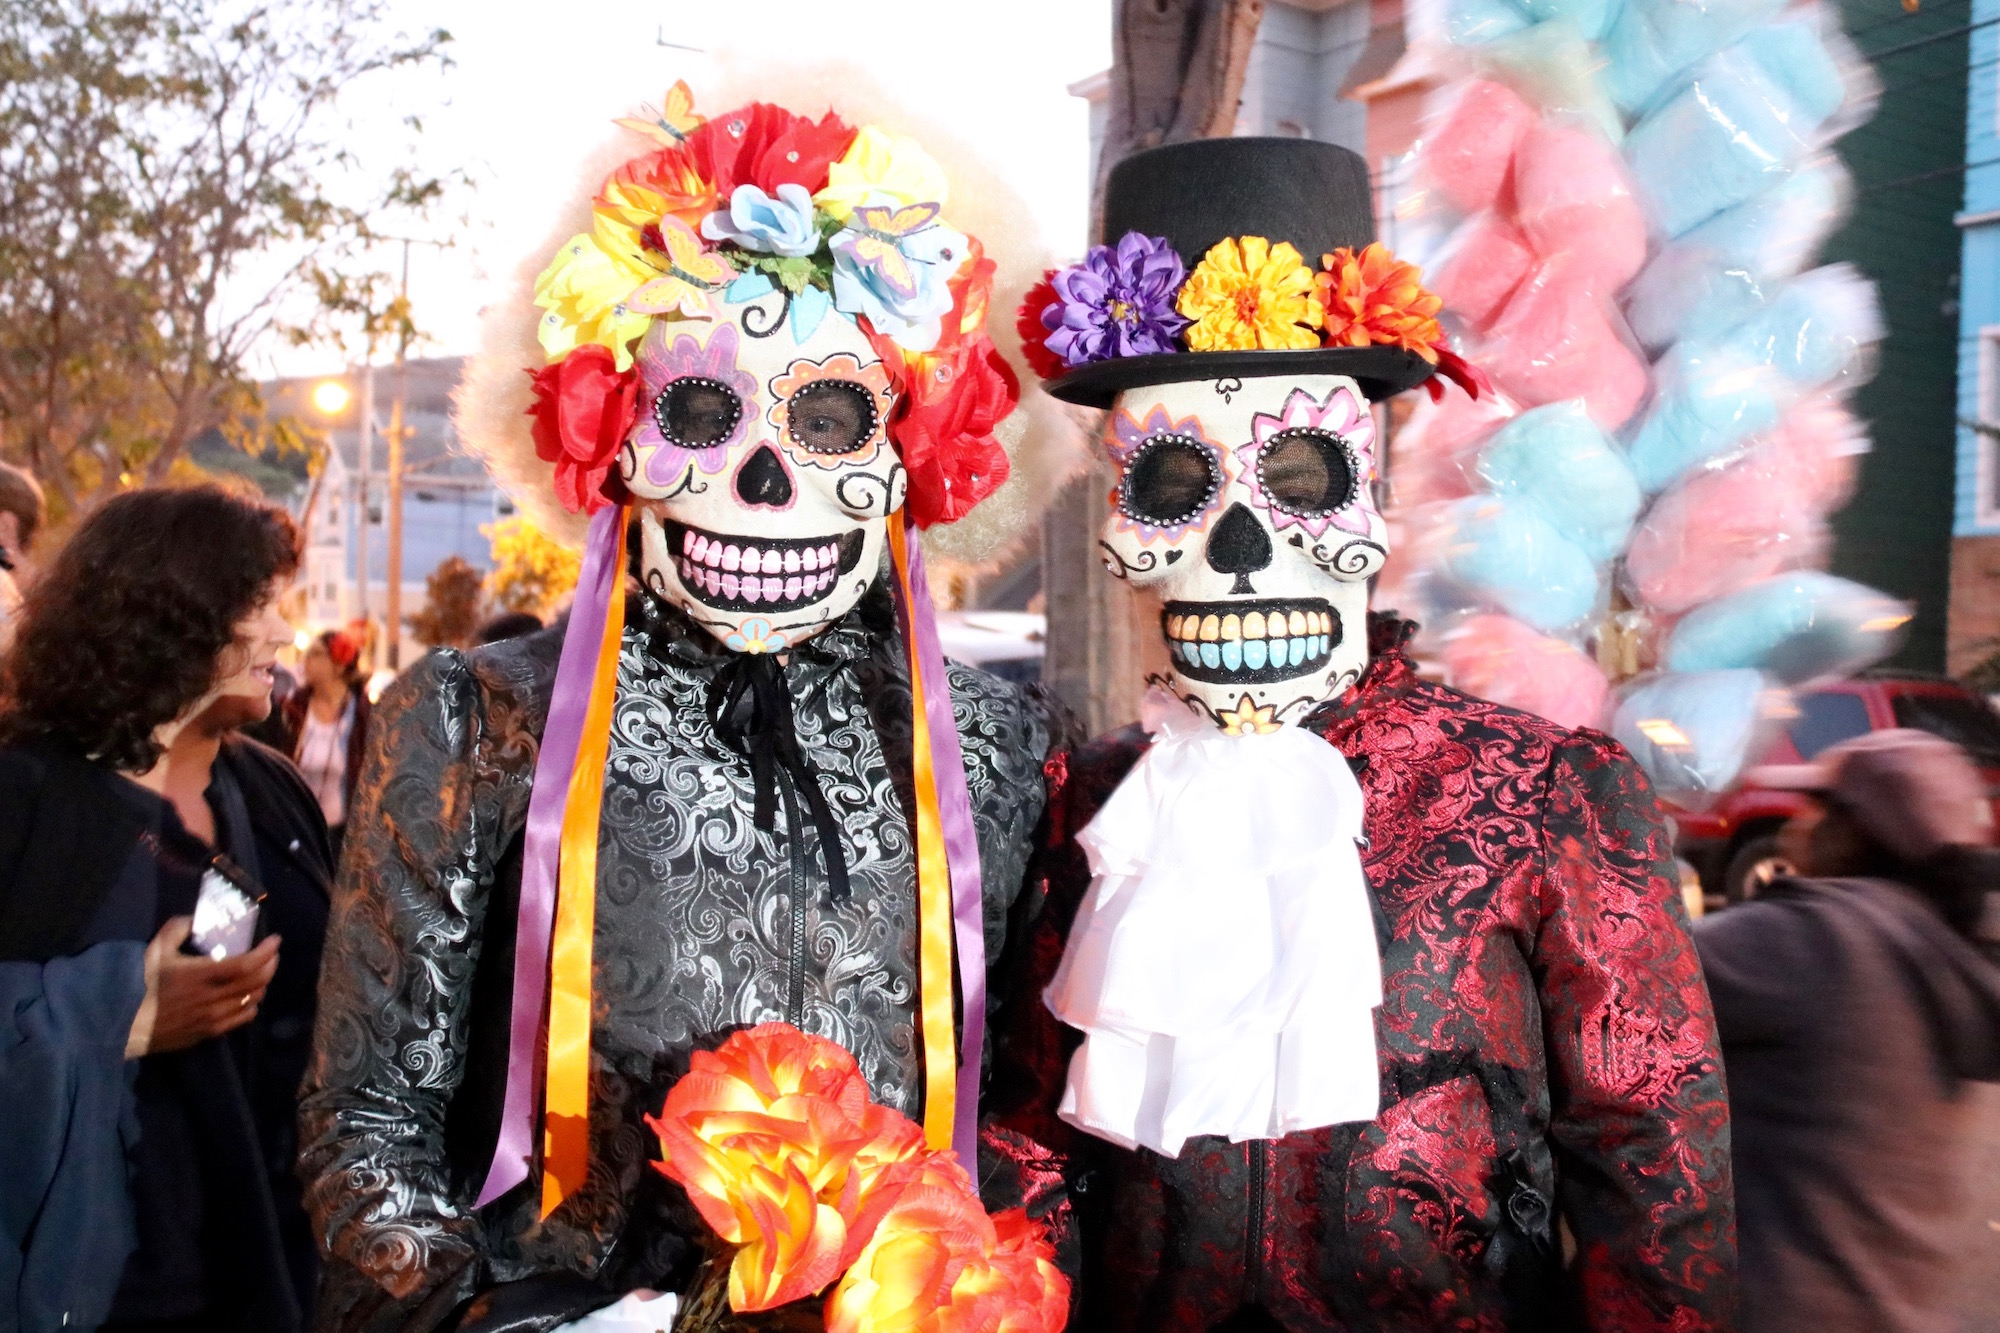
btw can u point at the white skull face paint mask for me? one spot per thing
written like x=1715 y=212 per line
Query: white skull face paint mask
x=1249 y=504
x=761 y=468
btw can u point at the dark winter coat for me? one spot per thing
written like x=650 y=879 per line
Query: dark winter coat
x=68 y=828
x=1546 y=1049
x=68 y=1121
x=1851 y=1015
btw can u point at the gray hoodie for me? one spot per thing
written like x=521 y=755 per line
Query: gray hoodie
x=1851 y=1014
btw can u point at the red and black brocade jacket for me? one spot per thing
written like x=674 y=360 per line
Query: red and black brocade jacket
x=1545 y=1034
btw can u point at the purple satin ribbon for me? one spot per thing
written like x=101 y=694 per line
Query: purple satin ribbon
x=542 y=849
x=961 y=850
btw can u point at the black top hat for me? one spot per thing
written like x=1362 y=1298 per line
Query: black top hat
x=1313 y=194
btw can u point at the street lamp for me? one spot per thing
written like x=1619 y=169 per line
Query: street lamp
x=330 y=397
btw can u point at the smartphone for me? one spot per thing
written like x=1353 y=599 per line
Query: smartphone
x=225 y=917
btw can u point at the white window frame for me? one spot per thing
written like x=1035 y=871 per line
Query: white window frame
x=1986 y=450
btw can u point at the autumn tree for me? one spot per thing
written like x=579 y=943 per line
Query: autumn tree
x=175 y=190
x=532 y=571
x=452 y=608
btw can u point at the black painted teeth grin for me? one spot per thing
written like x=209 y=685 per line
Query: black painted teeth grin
x=1250 y=642
x=775 y=574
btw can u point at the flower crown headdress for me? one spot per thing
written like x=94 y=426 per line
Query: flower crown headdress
x=841 y=222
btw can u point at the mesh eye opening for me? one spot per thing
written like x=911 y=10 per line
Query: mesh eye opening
x=1168 y=481
x=1308 y=473
x=832 y=416
x=696 y=412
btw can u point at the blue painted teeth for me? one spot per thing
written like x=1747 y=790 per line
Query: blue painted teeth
x=1276 y=639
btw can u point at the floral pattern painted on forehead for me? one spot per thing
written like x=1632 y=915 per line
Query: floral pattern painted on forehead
x=760 y=200
x=1139 y=299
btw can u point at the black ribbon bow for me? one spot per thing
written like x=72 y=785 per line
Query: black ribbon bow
x=750 y=707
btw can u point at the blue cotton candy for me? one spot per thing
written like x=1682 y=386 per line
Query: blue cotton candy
x=1793 y=54
x=1653 y=40
x=1557 y=460
x=1799 y=627
x=1591 y=17
x=1705 y=405
x=1476 y=22
x=1724 y=139
x=1723 y=272
x=1507 y=555
x=1692 y=733
x=1814 y=330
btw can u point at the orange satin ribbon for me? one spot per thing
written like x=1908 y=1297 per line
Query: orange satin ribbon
x=566 y=1091
x=934 y=920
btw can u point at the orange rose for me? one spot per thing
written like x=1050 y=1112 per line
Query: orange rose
x=1375 y=297
x=938 y=1264
x=779 y=1148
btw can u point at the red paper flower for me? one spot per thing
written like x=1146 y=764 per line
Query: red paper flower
x=1034 y=333
x=584 y=407
x=944 y=429
x=767 y=146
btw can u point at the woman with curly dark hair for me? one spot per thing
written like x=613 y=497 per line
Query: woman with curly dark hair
x=152 y=1031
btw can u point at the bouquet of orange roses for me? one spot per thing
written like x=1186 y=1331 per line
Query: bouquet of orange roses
x=808 y=1184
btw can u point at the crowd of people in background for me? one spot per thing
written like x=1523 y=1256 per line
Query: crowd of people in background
x=148 y=1087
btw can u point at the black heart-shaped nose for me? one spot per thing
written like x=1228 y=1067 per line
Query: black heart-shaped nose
x=1240 y=546
x=762 y=480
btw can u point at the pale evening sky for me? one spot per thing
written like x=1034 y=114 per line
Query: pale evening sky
x=535 y=85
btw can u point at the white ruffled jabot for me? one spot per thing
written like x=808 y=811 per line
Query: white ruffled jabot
x=1223 y=966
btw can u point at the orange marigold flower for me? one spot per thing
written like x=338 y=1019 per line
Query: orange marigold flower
x=776 y=1141
x=1246 y=294
x=1374 y=297
x=939 y=1264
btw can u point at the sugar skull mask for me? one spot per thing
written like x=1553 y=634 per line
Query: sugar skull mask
x=1249 y=504
x=761 y=469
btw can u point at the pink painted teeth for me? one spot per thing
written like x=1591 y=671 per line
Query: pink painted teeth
x=756 y=575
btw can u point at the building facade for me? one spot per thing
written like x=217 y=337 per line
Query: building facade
x=1975 y=544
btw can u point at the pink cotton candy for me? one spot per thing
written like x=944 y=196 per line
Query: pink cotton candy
x=1488 y=260
x=1721 y=530
x=1468 y=150
x=1434 y=454
x=1574 y=202
x=1499 y=658
x=1555 y=342
x=1819 y=446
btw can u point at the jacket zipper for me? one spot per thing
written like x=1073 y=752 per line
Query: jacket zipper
x=795 y=989
x=1253 y=1232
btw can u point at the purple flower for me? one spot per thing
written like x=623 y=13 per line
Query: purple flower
x=1117 y=302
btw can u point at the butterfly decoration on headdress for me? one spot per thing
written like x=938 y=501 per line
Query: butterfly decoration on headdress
x=671 y=122
x=878 y=234
x=692 y=272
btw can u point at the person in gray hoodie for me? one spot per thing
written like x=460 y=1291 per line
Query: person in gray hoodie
x=1854 y=1002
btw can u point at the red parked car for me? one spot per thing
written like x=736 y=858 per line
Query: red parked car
x=1733 y=844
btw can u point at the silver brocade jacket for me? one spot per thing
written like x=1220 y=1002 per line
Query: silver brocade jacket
x=693 y=938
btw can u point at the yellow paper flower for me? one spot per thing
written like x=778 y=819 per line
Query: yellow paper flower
x=881 y=166
x=1246 y=294
x=584 y=290
x=1247 y=719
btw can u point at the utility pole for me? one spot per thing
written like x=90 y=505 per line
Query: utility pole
x=393 y=610
x=365 y=433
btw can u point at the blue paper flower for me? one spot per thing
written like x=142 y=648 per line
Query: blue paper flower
x=756 y=221
x=894 y=264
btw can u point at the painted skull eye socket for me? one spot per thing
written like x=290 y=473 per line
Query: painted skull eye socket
x=1169 y=481
x=831 y=417
x=1308 y=473
x=695 y=413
